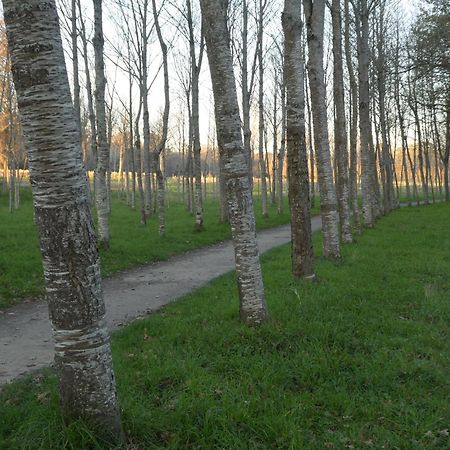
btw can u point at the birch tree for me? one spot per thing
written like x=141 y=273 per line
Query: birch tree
x=301 y=239
x=101 y=188
x=234 y=168
x=62 y=215
x=315 y=16
x=165 y=126
x=340 y=131
x=196 y=64
x=261 y=124
x=366 y=149
x=353 y=119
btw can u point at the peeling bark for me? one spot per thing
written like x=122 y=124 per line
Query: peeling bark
x=62 y=214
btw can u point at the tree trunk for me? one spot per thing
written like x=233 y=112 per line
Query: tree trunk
x=262 y=162
x=362 y=20
x=447 y=150
x=282 y=148
x=101 y=188
x=385 y=160
x=246 y=94
x=353 y=118
x=195 y=73
x=297 y=158
x=138 y=159
x=76 y=81
x=314 y=14
x=165 y=127
x=275 y=143
x=253 y=308
x=340 y=130
x=312 y=160
x=62 y=214
x=90 y=103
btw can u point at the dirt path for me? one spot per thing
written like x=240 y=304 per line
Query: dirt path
x=25 y=333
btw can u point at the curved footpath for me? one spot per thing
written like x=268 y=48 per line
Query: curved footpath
x=25 y=332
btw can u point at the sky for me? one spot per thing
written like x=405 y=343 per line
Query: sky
x=178 y=50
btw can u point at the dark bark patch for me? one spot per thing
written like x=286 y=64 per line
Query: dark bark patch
x=26 y=77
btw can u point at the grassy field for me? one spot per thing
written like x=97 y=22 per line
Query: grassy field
x=131 y=243
x=358 y=360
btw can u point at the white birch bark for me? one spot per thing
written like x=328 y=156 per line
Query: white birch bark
x=62 y=214
x=235 y=170
x=90 y=103
x=297 y=158
x=101 y=188
x=314 y=13
x=353 y=119
x=76 y=81
x=340 y=130
x=280 y=201
x=362 y=20
x=261 y=125
x=196 y=63
x=165 y=127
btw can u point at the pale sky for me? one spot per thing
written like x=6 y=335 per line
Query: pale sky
x=118 y=79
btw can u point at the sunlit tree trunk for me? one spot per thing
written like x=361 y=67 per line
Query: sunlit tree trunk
x=235 y=170
x=62 y=214
x=297 y=158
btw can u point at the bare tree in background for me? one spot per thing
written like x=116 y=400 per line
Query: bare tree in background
x=196 y=64
x=165 y=126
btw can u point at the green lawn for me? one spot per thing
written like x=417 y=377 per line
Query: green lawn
x=359 y=359
x=131 y=243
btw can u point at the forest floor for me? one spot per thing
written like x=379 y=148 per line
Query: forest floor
x=358 y=360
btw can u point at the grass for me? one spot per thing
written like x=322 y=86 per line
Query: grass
x=358 y=360
x=131 y=243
